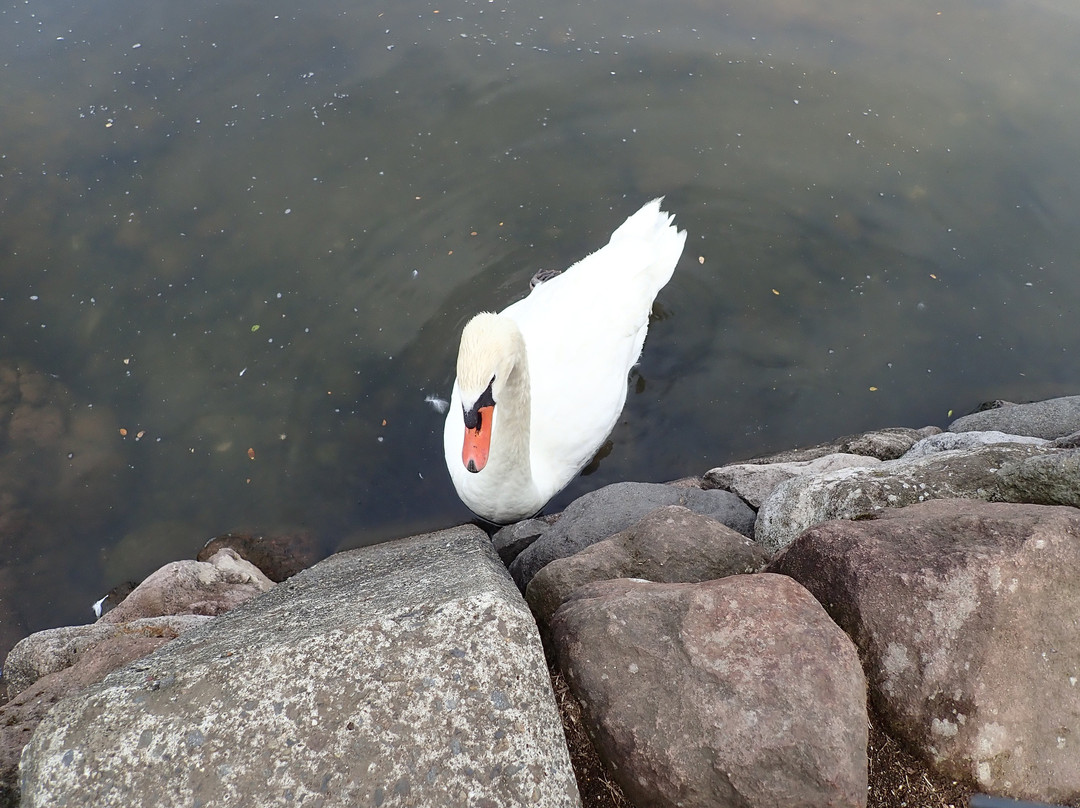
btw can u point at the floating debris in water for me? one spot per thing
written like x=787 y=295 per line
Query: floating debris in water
x=440 y=405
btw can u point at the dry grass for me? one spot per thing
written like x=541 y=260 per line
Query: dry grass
x=899 y=780
x=597 y=788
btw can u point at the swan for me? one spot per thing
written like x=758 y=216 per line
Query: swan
x=540 y=385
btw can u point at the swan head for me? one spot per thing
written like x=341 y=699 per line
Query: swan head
x=491 y=357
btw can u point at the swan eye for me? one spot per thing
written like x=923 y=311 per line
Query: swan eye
x=472 y=416
x=472 y=419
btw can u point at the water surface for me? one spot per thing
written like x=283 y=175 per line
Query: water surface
x=238 y=242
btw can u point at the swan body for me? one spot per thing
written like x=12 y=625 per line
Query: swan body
x=541 y=384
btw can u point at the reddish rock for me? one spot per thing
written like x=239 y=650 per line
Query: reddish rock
x=52 y=650
x=193 y=587
x=739 y=691
x=601 y=514
x=966 y=615
x=670 y=545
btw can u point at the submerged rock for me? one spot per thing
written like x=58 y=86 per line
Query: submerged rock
x=278 y=555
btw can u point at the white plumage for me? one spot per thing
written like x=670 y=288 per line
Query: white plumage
x=541 y=384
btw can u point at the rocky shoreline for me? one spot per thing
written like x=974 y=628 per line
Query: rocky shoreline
x=726 y=639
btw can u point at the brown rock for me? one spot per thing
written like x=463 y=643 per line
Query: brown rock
x=671 y=545
x=278 y=555
x=738 y=691
x=965 y=614
x=46 y=652
x=193 y=587
x=40 y=425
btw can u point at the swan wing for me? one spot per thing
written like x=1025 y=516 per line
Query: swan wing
x=583 y=332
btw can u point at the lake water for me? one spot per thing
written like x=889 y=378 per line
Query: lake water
x=238 y=242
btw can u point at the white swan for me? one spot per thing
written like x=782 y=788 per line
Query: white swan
x=541 y=384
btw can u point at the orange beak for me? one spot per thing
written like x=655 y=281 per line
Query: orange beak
x=474 y=454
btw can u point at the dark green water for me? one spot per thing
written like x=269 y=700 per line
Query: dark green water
x=261 y=226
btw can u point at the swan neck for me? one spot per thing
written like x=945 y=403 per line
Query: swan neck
x=514 y=416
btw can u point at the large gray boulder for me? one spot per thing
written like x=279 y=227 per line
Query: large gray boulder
x=1070 y=441
x=605 y=512
x=1045 y=480
x=755 y=482
x=512 y=539
x=669 y=545
x=951 y=441
x=883 y=444
x=734 y=692
x=966 y=615
x=1052 y=418
x=408 y=673
x=802 y=502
